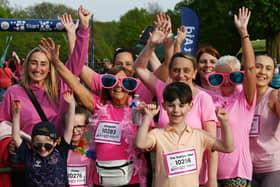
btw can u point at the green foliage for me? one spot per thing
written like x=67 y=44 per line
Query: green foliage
x=130 y=27
x=265 y=15
x=3 y=12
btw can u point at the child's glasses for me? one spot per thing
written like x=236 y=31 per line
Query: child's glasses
x=218 y=79
x=79 y=127
x=129 y=84
x=39 y=146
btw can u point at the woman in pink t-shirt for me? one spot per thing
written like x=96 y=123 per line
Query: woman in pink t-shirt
x=265 y=130
x=118 y=162
x=40 y=76
x=235 y=169
x=182 y=68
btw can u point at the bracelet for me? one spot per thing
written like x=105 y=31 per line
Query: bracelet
x=244 y=37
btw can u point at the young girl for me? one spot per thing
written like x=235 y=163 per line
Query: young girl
x=45 y=161
x=80 y=163
x=179 y=148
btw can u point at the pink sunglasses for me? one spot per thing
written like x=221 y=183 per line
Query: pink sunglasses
x=129 y=84
x=218 y=79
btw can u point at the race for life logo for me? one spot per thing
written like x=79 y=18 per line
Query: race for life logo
x=181 y=162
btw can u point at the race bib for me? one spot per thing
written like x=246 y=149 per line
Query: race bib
x=108 y=132
x=180 y=162
x=77 y=175
x=255 y=127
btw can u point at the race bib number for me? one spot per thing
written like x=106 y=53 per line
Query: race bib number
x=108 y=132
x=77 y=175
x=181 y=162
x=255 y=127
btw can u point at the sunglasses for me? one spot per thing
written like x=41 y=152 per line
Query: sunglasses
x=39 y=146
x=129 y=84
x=218 y=79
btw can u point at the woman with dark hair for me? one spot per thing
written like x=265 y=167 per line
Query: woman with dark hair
x=206 y=58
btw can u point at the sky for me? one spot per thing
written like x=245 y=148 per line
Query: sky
x=103 y=10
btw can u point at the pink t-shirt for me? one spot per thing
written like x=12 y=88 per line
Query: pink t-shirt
x=264 y=141
x=121 y=144
x=238 y=163
x=203 y=110
x=142 y=90
x=80 y=169
x=54 y=112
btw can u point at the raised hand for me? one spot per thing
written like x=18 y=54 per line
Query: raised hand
x=222 y=115
x=181 y=34
x=84 y=16
x=67 y=22
x=50 y=49
x=69 y=97
x=162 y=29
x=241 y=21
x=151 y=109
x=16 y=107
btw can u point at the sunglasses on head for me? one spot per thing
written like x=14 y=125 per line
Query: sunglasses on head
x=218 y=79
x=39 y=146
x=129 y=84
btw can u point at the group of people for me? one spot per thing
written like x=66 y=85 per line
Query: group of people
x=217 y=123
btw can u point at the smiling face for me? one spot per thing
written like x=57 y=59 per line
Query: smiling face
x=41 y=139
x=206 y=65
x=38 y=67
x=182 y=70
x=118 y=95
x=227 y=88
x=264 y=70
x=176 y=111
x=79 y=128
x=125 y=60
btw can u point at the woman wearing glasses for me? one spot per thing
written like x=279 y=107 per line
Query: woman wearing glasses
x=182 y=68
x=264 y=141
x=118 y=162
x=235 y=169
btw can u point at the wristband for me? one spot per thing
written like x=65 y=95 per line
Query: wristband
x=170 y=35
x=244 y=37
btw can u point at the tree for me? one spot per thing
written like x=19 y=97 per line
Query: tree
x=266 y=21
x=130 y=26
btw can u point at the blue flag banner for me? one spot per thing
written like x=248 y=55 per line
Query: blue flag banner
x=190 y=20
x=31 y=25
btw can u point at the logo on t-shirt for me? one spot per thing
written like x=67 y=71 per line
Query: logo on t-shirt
x=37 y=164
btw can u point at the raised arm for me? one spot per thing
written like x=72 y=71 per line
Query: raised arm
x=163 y=71
x=143 y=141
x=69 y=116
x=78 y=57
x=16 y=122
x=181 y=35
x=140 y=65
x=249 y=84
x=71 y=28
x=227 y=144
x=52 y=51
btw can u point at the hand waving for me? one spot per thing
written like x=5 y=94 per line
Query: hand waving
x=67 y=22
x=241 y=21
x=51 y=50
